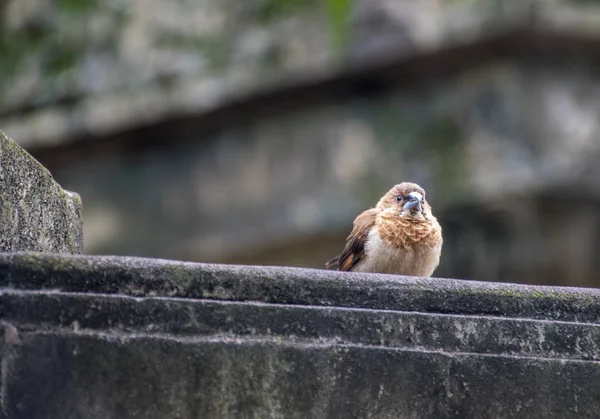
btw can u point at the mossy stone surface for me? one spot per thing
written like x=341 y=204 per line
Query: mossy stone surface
x=36 y=213
x=102 y=337
x=115 y=337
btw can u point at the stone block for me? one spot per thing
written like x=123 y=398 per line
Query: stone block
x=98 y=337
x=36 y=213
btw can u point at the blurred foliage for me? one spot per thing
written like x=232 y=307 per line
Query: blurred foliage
x=269 y=10
x=76 y=6
x=40 y=37
x=338 y=13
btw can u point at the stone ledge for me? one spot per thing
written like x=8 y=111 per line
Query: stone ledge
x=193 y=319
x=297 y=286
x=97 y=337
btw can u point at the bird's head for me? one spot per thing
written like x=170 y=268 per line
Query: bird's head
x=407 y=200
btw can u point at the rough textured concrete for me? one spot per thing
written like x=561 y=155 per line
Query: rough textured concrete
x=36 y=214
x=100 y=337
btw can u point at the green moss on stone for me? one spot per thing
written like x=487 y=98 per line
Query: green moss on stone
x=7 y=212
x=507 y=293
x=180 y=274
x=71 y=243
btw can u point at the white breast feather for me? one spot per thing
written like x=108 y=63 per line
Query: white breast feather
x=384 y=258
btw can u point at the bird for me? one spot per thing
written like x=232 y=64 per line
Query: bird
x=400 y=235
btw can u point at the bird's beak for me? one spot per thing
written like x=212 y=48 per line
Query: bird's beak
x=413 y=203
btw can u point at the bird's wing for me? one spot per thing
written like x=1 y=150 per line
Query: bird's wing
x=355 y=243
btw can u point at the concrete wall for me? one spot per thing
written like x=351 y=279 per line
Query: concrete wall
x=100 y=337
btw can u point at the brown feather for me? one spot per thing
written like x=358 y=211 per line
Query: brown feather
x=355 y=243
x=406 y=233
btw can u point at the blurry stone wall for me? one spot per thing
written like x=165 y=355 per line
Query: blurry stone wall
x=506 y=147
x=73 y=68
x=506 y=151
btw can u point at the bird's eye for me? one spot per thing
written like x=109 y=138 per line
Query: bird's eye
x=399 y=198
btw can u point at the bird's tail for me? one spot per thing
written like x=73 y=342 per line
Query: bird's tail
x=333 y=263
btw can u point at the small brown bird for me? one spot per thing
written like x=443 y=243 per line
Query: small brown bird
x=399 y=236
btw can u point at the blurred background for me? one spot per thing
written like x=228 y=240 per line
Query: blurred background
x=253 y=131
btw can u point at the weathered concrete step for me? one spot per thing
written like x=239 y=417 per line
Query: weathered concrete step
x=35 y=310
x=72 y=376
x=281 y=285
x=97 y=337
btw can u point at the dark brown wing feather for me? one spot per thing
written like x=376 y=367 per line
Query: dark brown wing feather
x=355 y=243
